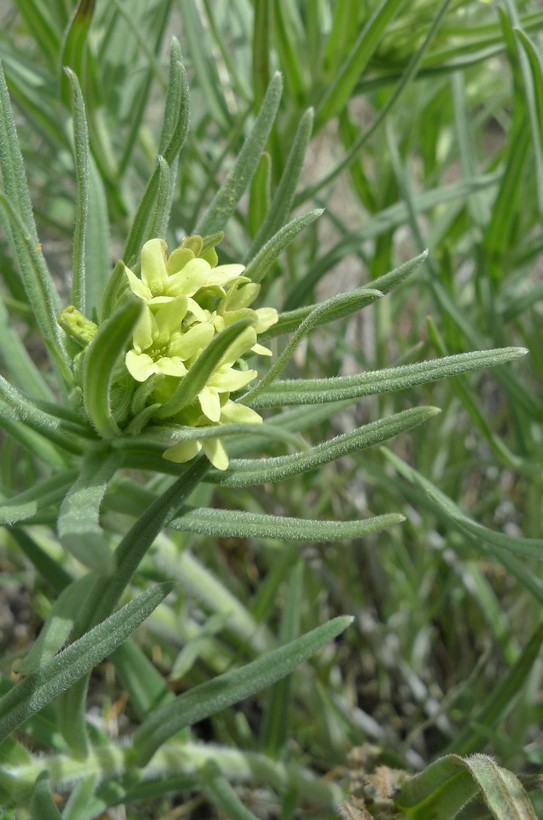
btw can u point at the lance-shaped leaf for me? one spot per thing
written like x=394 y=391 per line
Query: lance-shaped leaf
x=282 y=200
x=49 y=491
x=175 y=125
x=75 y=50
x=79 y=516
x=81 y=155
x=239 y=524
x=220 y=793
x=99 y=365
x=264 y=259
x=315 y=391
x=42 y=805
x=227 y=197
x=156 y=439
x=346 y=305
x=147 y=210
x=448 y=784
x=233 y=686
x=58 y=431
x=41 y=687
x=38 y=285
x=331 y=309
x=137 y=541
x=245 y=472
x=200 y=372
x=58 y=626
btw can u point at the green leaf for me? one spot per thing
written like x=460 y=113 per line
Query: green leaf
x=176 y=122
x=197 y=376
x=449 y=783
x=246 y=472
x=16 y=361
x=328 y=311
x=221 y=794
x=75 y=52
x=291 y=319
x=77 y=805
x=31 y=694
x=99 y=364
x=407 y=77
x=315 y=391
x=146 y=687
x=284 y=196
x=150 y=211
x=138 y=539
x=81 y=152
x=533 y=84
x=58 y=431
x=57 y=627
x=227 y=197
x=43 y=494
x=339 y=91
x=42 y=805
x=235 y=685
x=79 y=516
x=266 y=256
x=276 y=729
x=53 y=574
x=239 y=524
x=38 y=285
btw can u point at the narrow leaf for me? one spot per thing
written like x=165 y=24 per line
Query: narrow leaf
x=246 y=472
x=238 y=524
x=235 y=685
x=229 y=194
x=315 y=391
x=31 y=694
x=81 y=152
x=527 y=547
x=79 y=516
x=449 y=783
x=284 y=196
x=99 y=365
x=264 y=259
x=327 y=311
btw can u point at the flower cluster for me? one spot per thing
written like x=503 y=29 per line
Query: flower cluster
x=188 y=300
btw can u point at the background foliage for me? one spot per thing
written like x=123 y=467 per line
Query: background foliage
x=413 y=125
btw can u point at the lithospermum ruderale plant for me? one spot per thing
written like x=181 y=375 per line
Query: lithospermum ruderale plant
x=162 y=394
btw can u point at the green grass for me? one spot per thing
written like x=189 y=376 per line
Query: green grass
x=331 y=143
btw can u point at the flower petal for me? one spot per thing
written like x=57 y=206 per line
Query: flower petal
x=139 y=365
x=182 y=452
x=137 y=287
x=225 y=273
x=189 y=344
x=235 y=413
x=226 y=379
x=153 y=265
x=170 y=366
x=210 y=403
x=146 y=331
x=169 y=317
x=178 y=259
x=216 y=453
x=190 y=279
